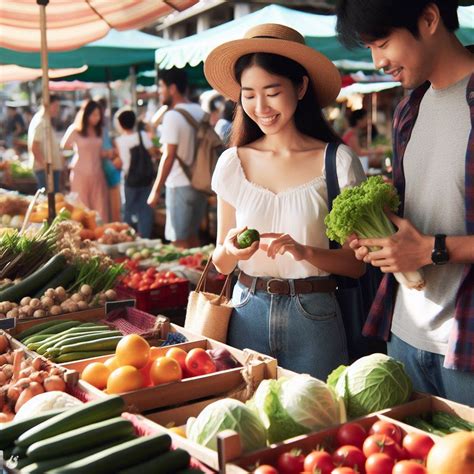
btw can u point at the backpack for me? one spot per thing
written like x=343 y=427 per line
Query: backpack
x=141 y=172
x=354 y=296
x=207 y=149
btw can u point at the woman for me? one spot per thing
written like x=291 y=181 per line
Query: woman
x=87 y=177
x=272 y=179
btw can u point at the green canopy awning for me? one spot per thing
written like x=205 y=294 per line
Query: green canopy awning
x=107 y=59
x=319 y=32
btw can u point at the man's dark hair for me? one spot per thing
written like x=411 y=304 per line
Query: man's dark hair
x=356 y=115
x=175 y=76
x=127 y=119
x=362 y=21
x=54 y=98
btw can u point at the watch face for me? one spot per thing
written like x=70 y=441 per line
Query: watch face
x=439 y=257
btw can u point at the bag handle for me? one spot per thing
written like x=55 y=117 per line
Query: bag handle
x=193 y=122
x=202 y=281
x=332 y=182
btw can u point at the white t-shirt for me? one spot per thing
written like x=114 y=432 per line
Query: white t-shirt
x=125 y=143
x=175 y=130
x=298 y=211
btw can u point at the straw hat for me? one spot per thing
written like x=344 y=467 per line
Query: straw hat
x=276 y=39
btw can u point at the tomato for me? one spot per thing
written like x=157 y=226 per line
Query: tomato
x=344 y=470
x=409 y=467
x=321 y=460
x=265 y=469
x=379 y=443
x=387 y=428
x=379 y=463
x=150 y=272
x=143 y=287
x=179 y=355
x=165 y=370
x=417 y=445
x=170 y=275
x=199 y=362
x=351 y=433
x=291 y=462
x=349 y=456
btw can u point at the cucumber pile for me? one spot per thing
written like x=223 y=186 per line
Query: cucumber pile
x=92 y=439
x=439 y=423
x=66 y=341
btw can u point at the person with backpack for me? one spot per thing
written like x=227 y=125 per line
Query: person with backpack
x=431 y=331
x=272 y=179
x=134 y=149
x=185 y=205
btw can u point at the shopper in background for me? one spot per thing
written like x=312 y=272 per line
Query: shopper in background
x=135 y=197
x=185 y=206
x=37 y=148
x=87 y=176
x=223 y=126
x=431 y=331
x=15 y=125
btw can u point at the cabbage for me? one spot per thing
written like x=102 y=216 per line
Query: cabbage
x=45 y=402
x=295 y=406
x=372 y=383
x=227 y=414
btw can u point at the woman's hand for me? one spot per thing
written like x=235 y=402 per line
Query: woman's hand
x=231 y=248
x=281 y=244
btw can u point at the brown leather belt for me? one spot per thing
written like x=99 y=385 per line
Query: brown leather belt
x=277 y=286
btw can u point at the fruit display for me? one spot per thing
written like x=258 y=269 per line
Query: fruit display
x=150 y=279
x=114 y=233
x=93 y=438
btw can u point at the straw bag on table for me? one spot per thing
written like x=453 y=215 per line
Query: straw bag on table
x=209 y=314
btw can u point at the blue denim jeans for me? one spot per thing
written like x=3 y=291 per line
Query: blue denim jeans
x=428 y=374
x=136 y=205
x=304 y=332
x=41 y=179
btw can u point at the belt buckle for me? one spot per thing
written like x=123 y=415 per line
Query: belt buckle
x=269 y=285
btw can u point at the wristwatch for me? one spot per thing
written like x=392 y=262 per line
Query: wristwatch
x=440 y=255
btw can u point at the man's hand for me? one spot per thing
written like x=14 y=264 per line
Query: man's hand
x=281 y=244
x=153 y=199
x=405 y=251
x=230 y=245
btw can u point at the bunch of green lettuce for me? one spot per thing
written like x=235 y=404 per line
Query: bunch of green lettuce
x=293 y=406
x=371 y=383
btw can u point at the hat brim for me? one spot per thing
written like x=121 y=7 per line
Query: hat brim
x=219 y=66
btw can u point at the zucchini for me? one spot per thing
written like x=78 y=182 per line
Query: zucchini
x=33 y=330
x=103 y=344
x=35 y=281
x=45 y=466
x=85 y=337
x=36 y=338
x=60 y=339
x=421 y=424
x=119 y=457
x=72 y=356
x=80 y=439
x=166 y=463
x=63 y=279
x=13 y=430
x=447 y=421
x=91 y=412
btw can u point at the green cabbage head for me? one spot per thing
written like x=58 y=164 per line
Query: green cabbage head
x=371 y=383
x=227 y=414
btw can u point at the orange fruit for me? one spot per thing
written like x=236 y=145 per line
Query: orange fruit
x=124 y=379
x=155 y=352
x=164 y=370
x=132 y=350
x=179 y=355
x=96 y=374
x=111 y=364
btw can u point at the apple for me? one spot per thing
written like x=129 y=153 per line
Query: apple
x=199 y=362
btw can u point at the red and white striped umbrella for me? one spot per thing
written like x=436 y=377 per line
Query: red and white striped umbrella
x=73 y=23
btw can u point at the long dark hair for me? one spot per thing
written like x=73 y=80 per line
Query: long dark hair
x=309 y=118
x=83 y=118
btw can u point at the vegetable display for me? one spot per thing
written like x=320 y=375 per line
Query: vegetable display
x=360 y=210
x=440 y=423
x=370 y=384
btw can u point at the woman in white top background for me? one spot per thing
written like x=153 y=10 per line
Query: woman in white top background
x=272 y=179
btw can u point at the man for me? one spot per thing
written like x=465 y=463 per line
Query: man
x=135 y=197
x=37 y=146
x=15 y=125
x=431 y=331
x=185 y=206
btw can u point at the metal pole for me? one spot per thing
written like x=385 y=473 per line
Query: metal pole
x=47 y=117
x=133 y=86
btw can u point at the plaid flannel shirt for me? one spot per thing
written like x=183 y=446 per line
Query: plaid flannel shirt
x=460 y=352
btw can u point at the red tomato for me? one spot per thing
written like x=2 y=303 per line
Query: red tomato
x=409 y=467
x=321 y=460
x=170 y=275
x=349 y=456
x=265 y=469
x=199 y=362
x=143 y=287
x=387 y=428
x=291 y=462
x=378 y=443
x=344 y=470
x=379 y=463
x=150 y=271
x=417 y=445
x=351 y=433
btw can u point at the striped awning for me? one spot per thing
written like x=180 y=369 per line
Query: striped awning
x=73 y=23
